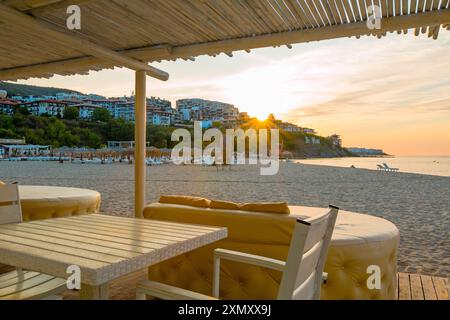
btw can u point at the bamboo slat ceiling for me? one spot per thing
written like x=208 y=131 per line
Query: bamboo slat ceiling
x=154 y=30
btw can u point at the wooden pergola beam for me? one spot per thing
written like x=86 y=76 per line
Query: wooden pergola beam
x=86 y=62
x=77 y=42
x=166 y=52
x=37 y=6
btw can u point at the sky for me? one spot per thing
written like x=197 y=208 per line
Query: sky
x=391 y=93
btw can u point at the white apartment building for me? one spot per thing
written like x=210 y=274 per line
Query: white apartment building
x=86 y=111
x=7 y=106
x=200 y=109
x=52 y=108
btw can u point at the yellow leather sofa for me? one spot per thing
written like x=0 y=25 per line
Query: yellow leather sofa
x=358 y=242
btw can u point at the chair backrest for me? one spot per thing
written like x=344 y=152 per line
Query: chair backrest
x=10 y=209
x=302 y=276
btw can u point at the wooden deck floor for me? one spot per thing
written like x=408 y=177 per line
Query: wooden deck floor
x=420 y=287
x=410 y=287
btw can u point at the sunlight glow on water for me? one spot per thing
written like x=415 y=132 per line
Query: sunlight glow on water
x=439 y=166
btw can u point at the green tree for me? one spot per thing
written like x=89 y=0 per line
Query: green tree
x=7 y=133
x=23 y=111
x=93 y=140
x=119 y=130
x=101 y=114
x=71 y=113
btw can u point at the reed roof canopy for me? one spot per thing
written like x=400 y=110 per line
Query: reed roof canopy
x=35 y=42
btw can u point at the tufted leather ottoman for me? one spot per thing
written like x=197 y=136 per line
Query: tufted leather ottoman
x=44 y=202
x=358 y=242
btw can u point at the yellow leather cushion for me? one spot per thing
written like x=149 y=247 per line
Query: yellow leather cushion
x=272 y=207
x=1 y=183
x=227 y=205
x=185 y=200
x=358 y=242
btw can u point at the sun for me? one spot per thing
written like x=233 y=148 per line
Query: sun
x=262 y=116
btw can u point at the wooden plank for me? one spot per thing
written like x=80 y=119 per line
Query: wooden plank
x=335 y=12
x=16 y=278
x=151 y=222
x=441 y=288
x=135 y=223
x=72 y=244
x=298 y=13
x=125 y=230
x=53 y=286
x=80 y=239
x=405 y=9
x=88 y=292
x=11 y=275
x=404 y=289
x=341 y=11
x=88 y=236
x=112 y=233
x=356 y=10
x=436 y=4
x=421 y=5
x=308 y=12
x=428 y=288
x=413 y=9
x=349 y=10
x=61 y=249
x=391 y=9
x=416 y=287
x=319 y=13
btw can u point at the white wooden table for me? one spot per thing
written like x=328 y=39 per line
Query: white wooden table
x=104 y=247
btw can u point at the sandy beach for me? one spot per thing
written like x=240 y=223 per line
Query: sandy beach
x=418 y=204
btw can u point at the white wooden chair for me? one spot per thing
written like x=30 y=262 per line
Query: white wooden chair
x=302 y=272
x=21 y=284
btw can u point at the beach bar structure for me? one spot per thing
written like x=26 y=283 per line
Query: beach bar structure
x=36 y=40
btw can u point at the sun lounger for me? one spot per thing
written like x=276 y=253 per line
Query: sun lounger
x=387 y=168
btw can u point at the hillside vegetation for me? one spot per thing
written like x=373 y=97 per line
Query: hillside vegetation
x=44 y=130
x=15 y=89
x=75 y=133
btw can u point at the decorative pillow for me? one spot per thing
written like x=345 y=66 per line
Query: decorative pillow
x=1 y=183
x=225 y=205
x=186 y=200
x=272 y=207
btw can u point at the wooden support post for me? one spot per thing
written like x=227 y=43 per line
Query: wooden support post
x=88 y=292
x=140 y=132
